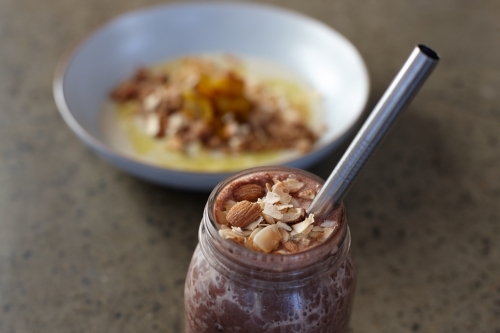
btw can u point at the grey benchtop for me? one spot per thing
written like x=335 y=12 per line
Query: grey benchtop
x=85 y=247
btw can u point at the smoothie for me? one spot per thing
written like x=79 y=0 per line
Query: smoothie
x=298 y=276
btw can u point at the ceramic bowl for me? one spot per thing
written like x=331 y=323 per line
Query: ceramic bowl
x=322 y=57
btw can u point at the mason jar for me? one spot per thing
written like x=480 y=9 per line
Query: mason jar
x=230 y=288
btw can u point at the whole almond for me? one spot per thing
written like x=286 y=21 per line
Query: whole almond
x=243 y=213
x=249 y=192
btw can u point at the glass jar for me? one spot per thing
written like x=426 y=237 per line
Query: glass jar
x=230 y=288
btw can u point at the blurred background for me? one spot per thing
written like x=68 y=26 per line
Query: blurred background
x=85 y=247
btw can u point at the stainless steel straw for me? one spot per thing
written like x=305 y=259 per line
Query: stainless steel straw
x=399 y=94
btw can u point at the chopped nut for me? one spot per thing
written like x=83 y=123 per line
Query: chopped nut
x=254 y=224
x=283 y=206
x=268 y=222
x=302 y=226
x=255 y=232
x=304 y=241
x=293 y=215
x=272 y=211
x=249 y=192
x=268 y=219
x=282 y=191
x=293 y=184
x=314 y=234
x=241 y=232
x=285 y=236
x=308 y=194
x=294 y=202
x=239 y=112
x=243 y=213
x=284 y=226
x=291 y=246
x=271 y=198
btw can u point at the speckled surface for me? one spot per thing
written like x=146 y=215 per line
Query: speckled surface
x=87 y=248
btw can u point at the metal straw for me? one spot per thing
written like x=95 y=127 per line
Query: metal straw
x=399 y=94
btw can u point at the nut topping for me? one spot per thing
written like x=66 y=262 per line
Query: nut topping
x=267 y=238
x=243 y=213
x=293 y=215
x=307 y=194
x=249 y=192
x=291 y=246
x=271 y=218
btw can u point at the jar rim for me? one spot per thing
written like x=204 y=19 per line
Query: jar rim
x=239 y=257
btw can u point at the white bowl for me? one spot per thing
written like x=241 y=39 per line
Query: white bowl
x=321 y=56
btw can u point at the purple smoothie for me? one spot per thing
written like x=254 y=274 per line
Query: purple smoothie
x=230 y=288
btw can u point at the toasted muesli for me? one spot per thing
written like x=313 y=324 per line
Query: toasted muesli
x=204 y=104
x=276 y=222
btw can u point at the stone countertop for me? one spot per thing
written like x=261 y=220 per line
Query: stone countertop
x=85 y=247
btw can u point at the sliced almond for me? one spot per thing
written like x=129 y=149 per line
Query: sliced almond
x=296 y=235
x=267 y=238
x=254 y=224
x=241 y=232
x=255 y=232
x=293 y=215
x=285 y=236
x=294 y=202
x=229 y=204
x=249 y=192
x=307 y=194
x=284 y=226
x=243 y=213
x=268 y=219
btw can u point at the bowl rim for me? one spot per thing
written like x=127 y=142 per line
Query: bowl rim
x=94 y=143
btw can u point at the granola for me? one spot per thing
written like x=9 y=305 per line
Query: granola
x=275 y=222
x=200 y=103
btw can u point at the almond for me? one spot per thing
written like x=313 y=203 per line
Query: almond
x=249 y=192
x=308 y=194
x=243 y=213
x=293 y=215
x=291 y=246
